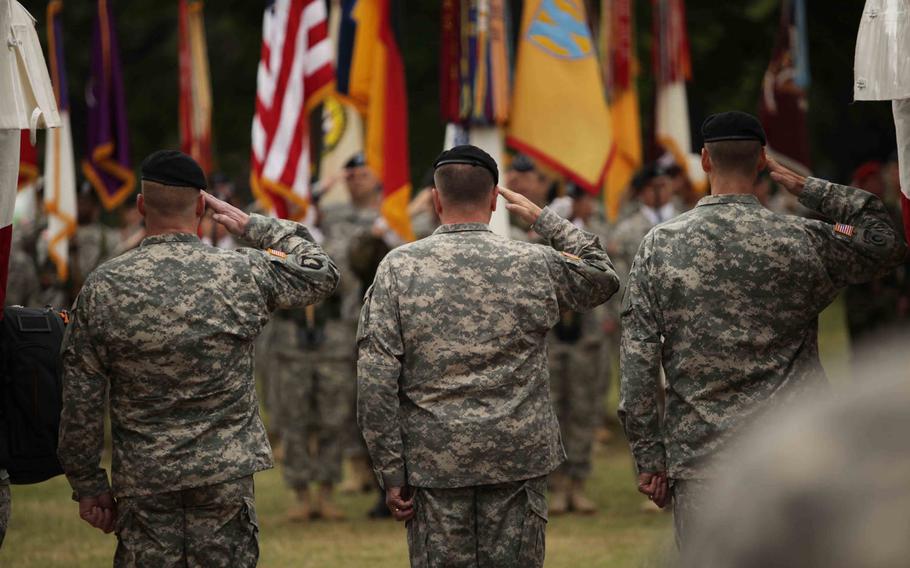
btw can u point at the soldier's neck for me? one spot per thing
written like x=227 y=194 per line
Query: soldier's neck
x=152 y=229
x=732 y=186
x=464 y=217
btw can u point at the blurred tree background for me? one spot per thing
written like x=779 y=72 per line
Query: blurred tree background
x=731 y=46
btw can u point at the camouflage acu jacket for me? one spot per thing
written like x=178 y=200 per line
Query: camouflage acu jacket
x=169 y=329
x=453 y=383
x=726 y=298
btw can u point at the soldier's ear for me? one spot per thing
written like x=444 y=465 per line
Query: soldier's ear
x=495 y=198
x=200 y=205
x=437 y=202
x=762 y=161
x=140 y=204
x=706 y=161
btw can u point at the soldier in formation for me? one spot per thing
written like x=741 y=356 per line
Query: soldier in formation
x=453 y=394
x=166 y=331
x=725 y=299
x=314 y=354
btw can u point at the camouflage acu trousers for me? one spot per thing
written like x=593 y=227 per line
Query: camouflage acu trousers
x=687 y=503
x=317 y=400
x=574 y=389
x=206 y=526
x=501 y=526
x=5 y=508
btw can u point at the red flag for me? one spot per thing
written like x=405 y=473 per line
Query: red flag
x=28 y=162
x=195 y=87
x=295 y=73
x=371 y=75
x=783 y=105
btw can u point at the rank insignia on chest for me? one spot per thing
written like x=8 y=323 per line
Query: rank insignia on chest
x=845 y=230
x=277 y=253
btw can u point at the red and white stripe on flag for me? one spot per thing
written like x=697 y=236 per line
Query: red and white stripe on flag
x=295 y=73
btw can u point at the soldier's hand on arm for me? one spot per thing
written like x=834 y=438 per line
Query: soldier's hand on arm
x=233 y=219
x=520 y=205
x=790 y=180
x=400 y=502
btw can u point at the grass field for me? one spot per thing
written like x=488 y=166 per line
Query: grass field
x=45 y=531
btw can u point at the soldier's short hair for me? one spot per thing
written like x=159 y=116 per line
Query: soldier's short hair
x=735 y=156
x=463 y=183
x=169 y=201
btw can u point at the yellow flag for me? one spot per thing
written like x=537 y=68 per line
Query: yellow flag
x=559 y=114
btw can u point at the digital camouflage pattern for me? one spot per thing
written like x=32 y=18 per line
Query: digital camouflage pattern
x=452 y=368
x=726 y=299
x=94 y=244
x=22 y=285
x=502 y=525
x=170 y=327
x=319 y=395
x=575 y=388
x=341 y=224
x=5 y=507
x=204 y=526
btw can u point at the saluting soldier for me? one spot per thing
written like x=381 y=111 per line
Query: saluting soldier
x=453 y=391
x=725 y=298
x=167 y=330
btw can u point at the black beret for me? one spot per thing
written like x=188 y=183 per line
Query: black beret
x=170 y=167
x=733 y=125
x=467 y=154
x=522 y=163
x=356 y=161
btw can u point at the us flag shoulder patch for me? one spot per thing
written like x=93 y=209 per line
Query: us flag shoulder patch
x=846 y=230
x=278 y=253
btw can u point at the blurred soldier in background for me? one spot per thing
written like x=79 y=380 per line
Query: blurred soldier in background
x=314 y=355
x=825 y=486
x=523 y=177
x=579 y=375
x=94 y=242
x=23 y=284
x=878 y=307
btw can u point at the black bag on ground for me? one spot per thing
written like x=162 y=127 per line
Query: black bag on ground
x=31 y=392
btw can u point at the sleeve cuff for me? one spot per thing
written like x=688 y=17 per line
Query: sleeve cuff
x=547 y=223
x=394 y=478
x=90 y=487
x=813 y=193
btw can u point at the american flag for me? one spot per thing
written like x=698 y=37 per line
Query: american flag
x=295 y=73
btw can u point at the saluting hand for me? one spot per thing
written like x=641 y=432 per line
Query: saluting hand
x=520 y=205
x=233 y=219
x=790 y=180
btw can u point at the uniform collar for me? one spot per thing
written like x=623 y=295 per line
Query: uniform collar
x=169 y=238
x=726 y=198
x=461 y=228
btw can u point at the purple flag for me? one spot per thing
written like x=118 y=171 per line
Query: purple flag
x=107 y=165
